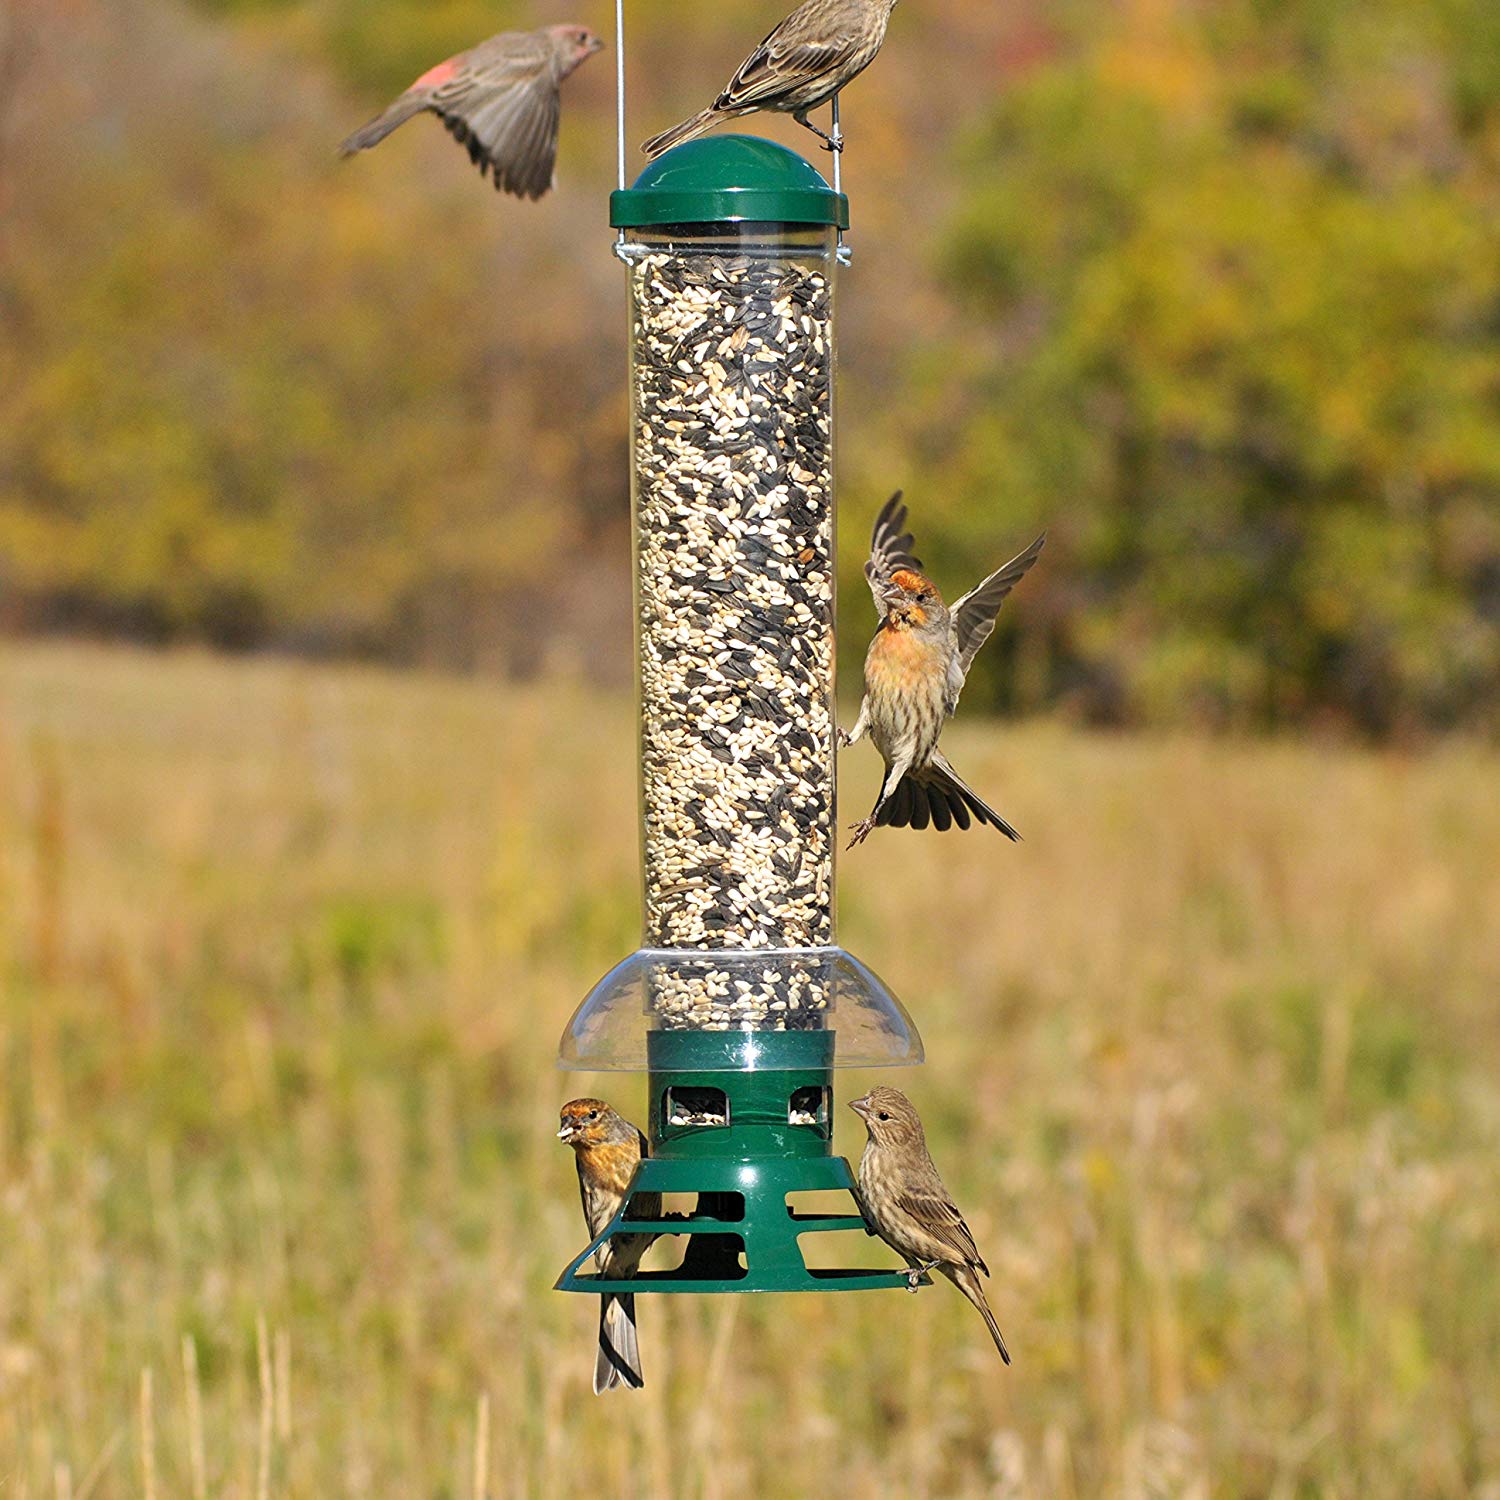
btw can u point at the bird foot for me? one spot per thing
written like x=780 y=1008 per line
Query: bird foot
x=861 y=832
x=834 y=143
x=914 y=1274
x=841 y=738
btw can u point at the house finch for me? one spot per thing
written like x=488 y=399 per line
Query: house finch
x=907 y=1205
x=914 y=671
x=500 y=99
x=608 y=1149
x=804 y=62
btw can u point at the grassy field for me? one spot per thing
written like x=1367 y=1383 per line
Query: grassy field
x=285 y=953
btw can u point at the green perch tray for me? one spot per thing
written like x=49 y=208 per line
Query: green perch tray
x=742 y=1141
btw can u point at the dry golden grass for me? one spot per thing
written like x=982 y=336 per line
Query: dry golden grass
x=285 y=953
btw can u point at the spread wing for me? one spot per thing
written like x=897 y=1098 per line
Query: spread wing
x=505 y=110
x=935 y=1211
x=890 y=549
x=974 y=614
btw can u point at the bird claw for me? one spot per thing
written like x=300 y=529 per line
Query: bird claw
x=861 y=832
x=834 y=144
x=841 y=738
x=914 y=1274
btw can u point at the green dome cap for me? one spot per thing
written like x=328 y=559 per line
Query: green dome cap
x=725 y=179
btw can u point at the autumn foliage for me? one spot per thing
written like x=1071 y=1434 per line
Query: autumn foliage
x=1209 y=292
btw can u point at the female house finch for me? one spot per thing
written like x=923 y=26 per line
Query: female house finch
x=608 y=1149
x=500 y=99
x=907 y=1205
x=803 y=63
x=914 y=671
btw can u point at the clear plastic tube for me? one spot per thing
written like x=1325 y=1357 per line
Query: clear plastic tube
x=732 y=429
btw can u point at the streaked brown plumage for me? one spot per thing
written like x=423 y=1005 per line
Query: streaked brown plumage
x=608 y=1149
x=500 y=99
x=803 y=63
x=914 y=672
x=907 y=1205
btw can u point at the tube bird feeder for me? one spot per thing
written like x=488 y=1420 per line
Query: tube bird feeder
x=740 y=1003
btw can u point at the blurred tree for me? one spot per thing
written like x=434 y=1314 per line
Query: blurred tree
x=1232 y=317
x=1209 y=292
x=258 y=398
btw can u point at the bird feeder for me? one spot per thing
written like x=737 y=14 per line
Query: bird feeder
x=740 y=1003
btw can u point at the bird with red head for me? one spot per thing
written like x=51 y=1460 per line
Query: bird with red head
x=915 y=670
x=502 y=100
x=607 y=1149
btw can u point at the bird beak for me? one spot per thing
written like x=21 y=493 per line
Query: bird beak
x=861 y=1107
x=893 y=595
x=596 y=45
x=566 y=1133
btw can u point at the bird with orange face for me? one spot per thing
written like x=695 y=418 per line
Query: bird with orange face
x=607 y=1149
x=914 y=672
x=907 y=1205
x=500 y=99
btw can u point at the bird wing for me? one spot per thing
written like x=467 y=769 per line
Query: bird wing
x=974 y=614
x=625 y=1250
x=938 y=1215
x=505 y=108
x=788 y=56
x=589 y=1200
x=890 y=549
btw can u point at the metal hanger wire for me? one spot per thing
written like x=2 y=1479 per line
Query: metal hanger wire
x=620 y=99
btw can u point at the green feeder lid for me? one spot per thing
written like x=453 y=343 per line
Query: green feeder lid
x=727 y=179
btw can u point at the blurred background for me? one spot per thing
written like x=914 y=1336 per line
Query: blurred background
x=316 y=778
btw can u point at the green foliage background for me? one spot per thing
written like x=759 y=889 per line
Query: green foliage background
x=1210 y=292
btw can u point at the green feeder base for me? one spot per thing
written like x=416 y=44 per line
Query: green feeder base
x=741 y=1119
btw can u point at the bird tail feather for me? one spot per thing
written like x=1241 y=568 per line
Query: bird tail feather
x=968 y=1283
x=383 y=124
x=937 y=794
x=705 y=119
x=618 y=1361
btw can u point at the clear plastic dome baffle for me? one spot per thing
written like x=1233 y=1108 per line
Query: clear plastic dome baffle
x=771 y=989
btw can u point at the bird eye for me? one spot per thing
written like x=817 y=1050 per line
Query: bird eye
x=884 y=1116
x=593 y=1114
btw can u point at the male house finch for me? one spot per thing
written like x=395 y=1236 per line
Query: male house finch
x=803 y=63
x=907 y=1205
x=608 y=1149
x=914 y=671
x=500 y=99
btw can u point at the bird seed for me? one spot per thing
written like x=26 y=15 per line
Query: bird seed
x=733 y=490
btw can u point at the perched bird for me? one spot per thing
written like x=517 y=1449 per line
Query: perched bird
x=608 y=1149
x=907 y=1205
x=500 y=99
x=803 y=63
x=914 y=671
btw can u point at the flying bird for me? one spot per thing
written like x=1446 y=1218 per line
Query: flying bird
x=500 y=99
x=607 y=1149
x=914 y=672
x=907 y=1205
x=802 y=64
